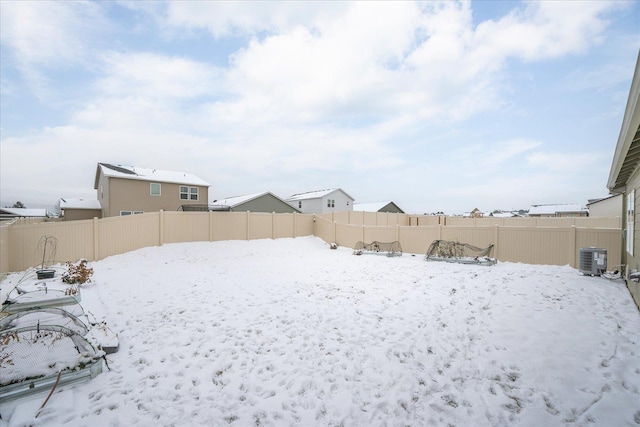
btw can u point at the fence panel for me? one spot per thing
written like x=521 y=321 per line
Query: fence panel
x=599 y=222
x=305 y=225
x=120 y=234
x=552 y=245
x=476 y=236
x=229 y=226
x=186 y=227
x=341 y=217
x=370 y=219
x=416 y=240
x=348 y=235
x=380 y=234
x=325 y=230
x=284 y=225
x=5 y=253
x=72 y=242
x=260 y=225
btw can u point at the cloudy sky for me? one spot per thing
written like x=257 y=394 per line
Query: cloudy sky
x=437 y=106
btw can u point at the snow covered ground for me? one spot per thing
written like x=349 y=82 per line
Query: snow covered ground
x=288 y=332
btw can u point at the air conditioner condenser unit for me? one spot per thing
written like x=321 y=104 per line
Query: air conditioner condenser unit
x=593 y=261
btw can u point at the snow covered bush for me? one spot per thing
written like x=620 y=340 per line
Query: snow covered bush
x=77 y=273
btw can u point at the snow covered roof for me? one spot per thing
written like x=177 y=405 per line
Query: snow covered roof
x=238 y=200
x=145 y=174
x=23 y=212
x=503 y=214
x=79 y=204
x=369 y=207
x=553 y=209
x=317 y=194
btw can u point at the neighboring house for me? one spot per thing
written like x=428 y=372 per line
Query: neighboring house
x=76 y=209
x=624 y=179
x=504 y=214
x=559 y=211
x=476 y=213
x=10 y=213
x=259 y=202
x=322 y=201
x=378 y=207
x=606 y=206
x=127 y=190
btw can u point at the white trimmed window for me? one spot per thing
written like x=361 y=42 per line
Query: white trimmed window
x=299 y=204
x=189 y=193
x=631 y=217
x=331 y=203
x=155 y=189
x=126 y=213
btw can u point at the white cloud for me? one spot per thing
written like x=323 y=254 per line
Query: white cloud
x=157 y=76
x=340 y=89
x=48 y=34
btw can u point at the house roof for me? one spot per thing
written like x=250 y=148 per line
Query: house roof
x=317 y=194
x=238 y=200
x=145 y=174
x=602 y=199
x=373 y=206
x=23 y=212
x=79 y=204
x=626 y=157
x=369 y=207
x=553 y=209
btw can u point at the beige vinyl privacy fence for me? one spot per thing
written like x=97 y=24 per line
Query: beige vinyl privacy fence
x=552 y=241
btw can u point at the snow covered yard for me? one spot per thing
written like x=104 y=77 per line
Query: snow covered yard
x=288 y=332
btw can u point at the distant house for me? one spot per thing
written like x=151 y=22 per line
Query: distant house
x=76 y=209
x=606 y=206
x=10 y=213
x=377 y=207
x=559 y=211
x=504 y=214
x=128 y=190
x=259 y=202
x=322 y=201
x=476 y=213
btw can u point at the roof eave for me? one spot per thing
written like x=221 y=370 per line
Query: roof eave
x=628 y=130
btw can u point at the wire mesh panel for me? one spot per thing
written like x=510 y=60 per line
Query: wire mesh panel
x=464 y=253
x=42 y=351
x=375 y=247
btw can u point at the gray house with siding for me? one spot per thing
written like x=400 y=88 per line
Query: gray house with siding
x=624 y=179
x=259 y=202
x=378 y=207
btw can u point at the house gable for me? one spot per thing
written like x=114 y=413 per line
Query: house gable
x=259 y=202
x=129 y=190
x=322 y=201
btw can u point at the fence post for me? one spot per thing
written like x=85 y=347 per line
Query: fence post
x=439 y=231
x=96 y=246
x=573 y=248
x=295 y=231
x=248 y=225
x=398 y=232
x=496 y=237
x=273 y=225
x=363 y=241
x=211 y=226
x=335 y=236
x=161 y=231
